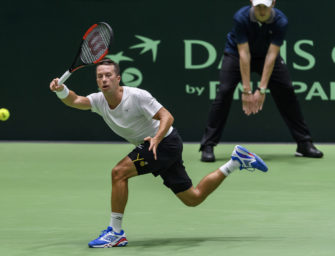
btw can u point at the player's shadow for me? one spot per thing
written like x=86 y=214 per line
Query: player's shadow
x=193 y=241
x=286 y=158
x=283 y=157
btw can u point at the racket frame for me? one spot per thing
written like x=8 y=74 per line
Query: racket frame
x=74 y=67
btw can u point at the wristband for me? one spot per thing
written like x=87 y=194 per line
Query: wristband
x=63 y=93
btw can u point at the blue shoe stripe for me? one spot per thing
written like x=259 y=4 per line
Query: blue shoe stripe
x=242 y=155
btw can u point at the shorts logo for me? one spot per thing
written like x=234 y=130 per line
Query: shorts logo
x=139 y=159
x=143 y=163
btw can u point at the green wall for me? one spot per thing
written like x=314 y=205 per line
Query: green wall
x=40 y=39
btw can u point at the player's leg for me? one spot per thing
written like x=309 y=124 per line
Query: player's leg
x=114 y=236
x=241 y=159
x=138 y=162
x=286 y=100
x=218 y=114
x=124 y=170
x=196 y=195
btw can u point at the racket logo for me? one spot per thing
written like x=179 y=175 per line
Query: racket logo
x=95 y=43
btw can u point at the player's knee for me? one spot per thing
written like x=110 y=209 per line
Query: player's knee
x=191 y=203
x=118 y=174
x=190 y=197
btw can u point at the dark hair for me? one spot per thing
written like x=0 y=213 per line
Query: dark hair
x=107 y=61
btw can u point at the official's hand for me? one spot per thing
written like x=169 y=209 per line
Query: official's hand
x=55 y=87
x=259 y=99
x=153 y=145
x=247 y=103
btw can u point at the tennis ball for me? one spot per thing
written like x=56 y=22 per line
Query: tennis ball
x=4 y=114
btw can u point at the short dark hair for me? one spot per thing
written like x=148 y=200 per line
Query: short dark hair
x=108 y=61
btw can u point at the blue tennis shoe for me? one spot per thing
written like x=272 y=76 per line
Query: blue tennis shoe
x=109 y=238
x=249 y=161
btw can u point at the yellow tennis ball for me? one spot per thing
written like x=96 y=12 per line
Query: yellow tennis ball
x=4 y=114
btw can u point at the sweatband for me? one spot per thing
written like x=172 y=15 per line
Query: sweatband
x=63 y=93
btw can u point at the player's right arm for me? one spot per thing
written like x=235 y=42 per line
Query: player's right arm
x=72 y=100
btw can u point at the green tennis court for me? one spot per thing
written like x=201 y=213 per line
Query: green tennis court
x=55 y=199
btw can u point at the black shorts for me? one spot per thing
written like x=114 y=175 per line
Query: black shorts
x=169 y=163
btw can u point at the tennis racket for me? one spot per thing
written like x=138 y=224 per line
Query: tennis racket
x=93 y=48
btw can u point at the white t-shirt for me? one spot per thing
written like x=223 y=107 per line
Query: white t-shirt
x=132 y=118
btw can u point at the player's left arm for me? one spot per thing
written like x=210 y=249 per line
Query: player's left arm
x=166 y=121
x=269 y=63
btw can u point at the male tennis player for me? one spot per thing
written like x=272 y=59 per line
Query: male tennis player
x=253 y=45
x=139 y=118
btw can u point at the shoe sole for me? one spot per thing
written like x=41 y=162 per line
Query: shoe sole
x=122 y=243
x=262 y=163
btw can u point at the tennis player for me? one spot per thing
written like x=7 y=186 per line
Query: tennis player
x=138 y=117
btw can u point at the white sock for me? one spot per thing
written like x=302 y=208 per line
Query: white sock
x=116 y=221
x=229 y=167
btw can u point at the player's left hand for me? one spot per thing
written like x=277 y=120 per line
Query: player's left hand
x=258 y=101
x=153 y=145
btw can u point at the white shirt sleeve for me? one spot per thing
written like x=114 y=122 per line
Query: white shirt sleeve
x=95 y=102
x=148 y=105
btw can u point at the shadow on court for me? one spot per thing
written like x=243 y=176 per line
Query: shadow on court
x=195 y=241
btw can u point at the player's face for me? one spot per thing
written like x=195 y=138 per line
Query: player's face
x=262 y=12
x=107 y=79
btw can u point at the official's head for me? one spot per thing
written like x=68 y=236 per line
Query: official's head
x=263 y=9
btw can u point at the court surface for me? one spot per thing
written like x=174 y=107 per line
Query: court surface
x=54 y=199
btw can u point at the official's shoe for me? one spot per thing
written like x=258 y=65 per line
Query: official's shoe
x=307 y=149
x=249 y=161
x=109 y=238
x=207 y=154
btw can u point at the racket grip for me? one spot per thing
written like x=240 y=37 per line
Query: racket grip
x=64 y=77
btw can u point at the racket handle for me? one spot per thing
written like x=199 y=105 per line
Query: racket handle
x=64 y=77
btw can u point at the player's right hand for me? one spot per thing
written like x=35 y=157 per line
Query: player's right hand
x=55 y=87
x=153 y=145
